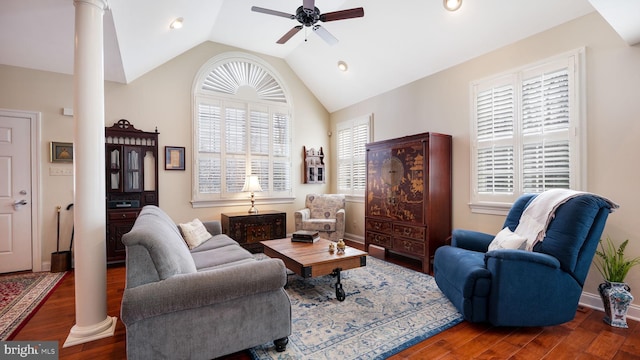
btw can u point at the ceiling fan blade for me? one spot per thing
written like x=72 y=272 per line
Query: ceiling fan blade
x=272 y=12
x=325 y=35
x=289 y=34
x=342 y=14
x=308 y=6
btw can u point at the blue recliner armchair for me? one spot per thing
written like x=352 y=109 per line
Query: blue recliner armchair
x=524 y=288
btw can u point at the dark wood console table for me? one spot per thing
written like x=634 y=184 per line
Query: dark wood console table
x=249 y=229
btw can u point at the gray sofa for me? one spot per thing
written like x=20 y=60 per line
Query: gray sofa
x=201 y=304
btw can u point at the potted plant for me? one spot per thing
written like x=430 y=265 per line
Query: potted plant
x=615 y=293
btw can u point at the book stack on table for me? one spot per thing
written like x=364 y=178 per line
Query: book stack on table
x=306 y=236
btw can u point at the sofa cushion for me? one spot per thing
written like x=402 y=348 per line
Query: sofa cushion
x=320 y=225
x=217 y=241
x=194 y=233
x=220 y=256
x=163 y=241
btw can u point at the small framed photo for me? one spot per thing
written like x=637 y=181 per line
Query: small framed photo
x=61 y=152
x=173 y=158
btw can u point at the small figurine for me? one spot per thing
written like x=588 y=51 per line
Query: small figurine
x=341 y=246
x=332 y=248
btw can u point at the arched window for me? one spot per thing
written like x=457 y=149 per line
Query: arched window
x=242 y=126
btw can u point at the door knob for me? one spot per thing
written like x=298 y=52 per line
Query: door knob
x=18 y=204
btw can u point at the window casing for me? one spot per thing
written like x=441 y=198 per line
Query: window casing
x=242 y=126
x=353 y=135
x=527 y=132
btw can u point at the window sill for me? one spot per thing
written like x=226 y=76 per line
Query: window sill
x=490 y=208
x=197 y=204
x=355 y=198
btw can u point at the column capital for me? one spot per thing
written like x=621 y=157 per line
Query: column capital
x=102 y=4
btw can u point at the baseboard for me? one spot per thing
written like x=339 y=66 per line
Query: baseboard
x=356 y=238
x=595 y=302
x=46 y=265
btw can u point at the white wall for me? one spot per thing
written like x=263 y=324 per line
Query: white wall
x=441 y=103
x=438 y=103
x=162 y=99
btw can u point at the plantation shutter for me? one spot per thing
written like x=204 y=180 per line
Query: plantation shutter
x=209 y=148
x=495 y=133
x=352 y=160
x=235 y=174
x=528 y=132
x=262 y=136
x=210 y=128
x=235 y=136
x=360 y=139
x=259 y=132
x=545 y=128
x=345 y=146
x=281 y=151
x=259 y=144
x=235 y=126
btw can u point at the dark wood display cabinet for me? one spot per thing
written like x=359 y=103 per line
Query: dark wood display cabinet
x=249 y=229
x=132 y=180
x=408 y=195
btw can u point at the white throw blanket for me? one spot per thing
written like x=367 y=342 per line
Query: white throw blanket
x=537 y=216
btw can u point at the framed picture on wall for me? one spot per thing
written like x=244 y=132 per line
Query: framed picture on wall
x=173 y=158
x=61 y=152
x=313 y=166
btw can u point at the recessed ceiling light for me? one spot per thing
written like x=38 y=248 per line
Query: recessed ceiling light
x=452 y=5
x=342 y=66
x=177 y=23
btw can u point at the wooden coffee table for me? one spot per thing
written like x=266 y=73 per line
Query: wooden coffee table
x=314 y=259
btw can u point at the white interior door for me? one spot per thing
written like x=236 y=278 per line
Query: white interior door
x=15 y=194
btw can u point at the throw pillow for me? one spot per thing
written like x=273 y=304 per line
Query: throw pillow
x=506 y=239
x=194 y=233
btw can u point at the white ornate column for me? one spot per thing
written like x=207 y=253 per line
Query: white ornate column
x=92 y=321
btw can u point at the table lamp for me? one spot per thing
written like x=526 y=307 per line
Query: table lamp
x=252 y=184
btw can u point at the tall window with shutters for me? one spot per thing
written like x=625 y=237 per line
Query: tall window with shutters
x=527 y=131
x=353 y=135
x=241 y=126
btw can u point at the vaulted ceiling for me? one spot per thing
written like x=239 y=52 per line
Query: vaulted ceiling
x=396 y=42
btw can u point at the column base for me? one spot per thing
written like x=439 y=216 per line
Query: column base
x=80 y=335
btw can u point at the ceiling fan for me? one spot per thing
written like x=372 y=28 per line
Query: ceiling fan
x=308 y=15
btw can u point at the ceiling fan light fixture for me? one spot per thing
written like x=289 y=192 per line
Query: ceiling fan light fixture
x=342 y=66
x=452 y=5
x=177 y=23
x=308 y=15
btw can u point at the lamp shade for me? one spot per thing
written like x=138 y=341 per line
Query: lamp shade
x=252 y=184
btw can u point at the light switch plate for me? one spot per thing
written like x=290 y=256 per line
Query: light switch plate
x=60 y=171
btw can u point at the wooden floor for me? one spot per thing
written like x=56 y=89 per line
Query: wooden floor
x=586 y=337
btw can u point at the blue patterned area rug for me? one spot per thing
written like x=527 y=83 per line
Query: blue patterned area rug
x=388 y=308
